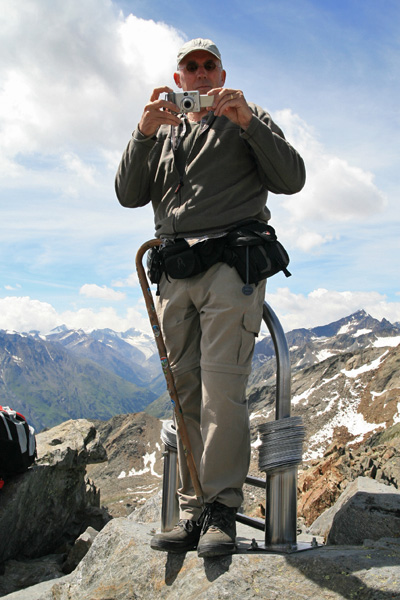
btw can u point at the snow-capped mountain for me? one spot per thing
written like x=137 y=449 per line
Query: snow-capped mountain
x=49 y=384
x=310 y=346
x=142 y=344
x=345 y=377
x=131 y=355
x=345 y=380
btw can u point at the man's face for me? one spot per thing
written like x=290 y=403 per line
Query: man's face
x=200 y=79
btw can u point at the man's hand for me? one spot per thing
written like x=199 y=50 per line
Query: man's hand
x=231 y=104
x=158 y=112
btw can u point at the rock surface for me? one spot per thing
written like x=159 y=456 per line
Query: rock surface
x=79 y=550
x=121 y=566
x=366 y=510
x=71 y=444
x=26 y=573
x=324 y=481
x=44 y=510
x=134 y=468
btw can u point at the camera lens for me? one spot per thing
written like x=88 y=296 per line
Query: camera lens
x=187 y=103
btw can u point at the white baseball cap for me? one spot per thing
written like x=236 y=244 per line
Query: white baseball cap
x=198 y=44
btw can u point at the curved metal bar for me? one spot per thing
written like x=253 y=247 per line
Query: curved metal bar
x=283 y=379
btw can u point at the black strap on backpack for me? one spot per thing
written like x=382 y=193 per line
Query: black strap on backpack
x=17 y=443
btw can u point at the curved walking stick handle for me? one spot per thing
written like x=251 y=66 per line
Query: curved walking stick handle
x=155 y=325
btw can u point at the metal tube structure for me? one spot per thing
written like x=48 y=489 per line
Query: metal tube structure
x=283 y=378
x=281 y=487
x=170 y=506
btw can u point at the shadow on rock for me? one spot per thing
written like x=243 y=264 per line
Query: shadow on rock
x=377 y=562
x=216 y=566
x=213 y=567
x=173 y=566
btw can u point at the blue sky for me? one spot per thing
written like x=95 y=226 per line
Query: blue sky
x=74 y=78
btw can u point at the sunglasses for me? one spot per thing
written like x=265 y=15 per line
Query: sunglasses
x=192 y=66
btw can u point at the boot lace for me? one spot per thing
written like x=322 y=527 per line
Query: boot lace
x=185 y=524
x=216 y=516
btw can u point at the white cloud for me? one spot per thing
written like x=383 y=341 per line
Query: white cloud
x=84 y=172
x=24 y=314
x=319 y=307
x=92 y=290
x=76 y=74
x=131 y=281
x=335 y=193
x=89 y=319
x=308 y=240
x=10 y=288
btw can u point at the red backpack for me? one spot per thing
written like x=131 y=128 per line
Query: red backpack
x=17 y=443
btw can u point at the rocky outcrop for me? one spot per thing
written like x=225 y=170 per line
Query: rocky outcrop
x=118 y=563
x=366 y=510
x=45 y=509
x=72 y=444
x=134 y=468
x=323 y=482
x=121 y=566
x=79 y=550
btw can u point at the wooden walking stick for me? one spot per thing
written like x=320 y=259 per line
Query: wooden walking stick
x=155 y=325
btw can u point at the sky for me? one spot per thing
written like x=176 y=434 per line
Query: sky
x=74 y=79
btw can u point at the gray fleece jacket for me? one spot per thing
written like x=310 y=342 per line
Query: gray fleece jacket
x=226 y=179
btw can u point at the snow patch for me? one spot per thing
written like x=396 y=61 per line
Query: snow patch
x=257 y=443
x=361 y=332
x=48 y=352
x=329 y=406
x=344 y=329
x=261 y=414
x=375 y=394
x=383 y=342
x=346 y=416
x=324 y=354
x=396 y=418
x=147 y=459
x=353 y=373
x=143 y=343
x=146 y=491
x=304 y=396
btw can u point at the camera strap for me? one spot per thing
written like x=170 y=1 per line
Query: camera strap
x=183 y=139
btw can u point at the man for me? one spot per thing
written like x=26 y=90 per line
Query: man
x=207 y=173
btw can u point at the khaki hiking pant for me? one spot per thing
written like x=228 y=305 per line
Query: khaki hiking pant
x=209 y=329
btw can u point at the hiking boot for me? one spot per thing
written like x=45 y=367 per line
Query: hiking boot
x=218 y=534
x=184 y=536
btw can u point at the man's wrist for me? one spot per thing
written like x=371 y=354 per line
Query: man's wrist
x=142 y=137
x=246 y=120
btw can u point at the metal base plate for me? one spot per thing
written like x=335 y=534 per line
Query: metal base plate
x=284 y=549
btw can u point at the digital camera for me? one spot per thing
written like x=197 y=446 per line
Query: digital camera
x=190 y=101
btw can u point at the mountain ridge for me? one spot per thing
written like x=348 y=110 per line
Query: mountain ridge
x=49 y=385
x=324 y=367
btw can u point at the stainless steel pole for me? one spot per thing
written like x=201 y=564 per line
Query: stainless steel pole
x=281 y=488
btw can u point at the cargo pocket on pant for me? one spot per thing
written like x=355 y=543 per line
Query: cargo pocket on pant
x=250 y=328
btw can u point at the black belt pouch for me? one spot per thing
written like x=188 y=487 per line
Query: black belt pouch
x=256 y=253
x=181 y=260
